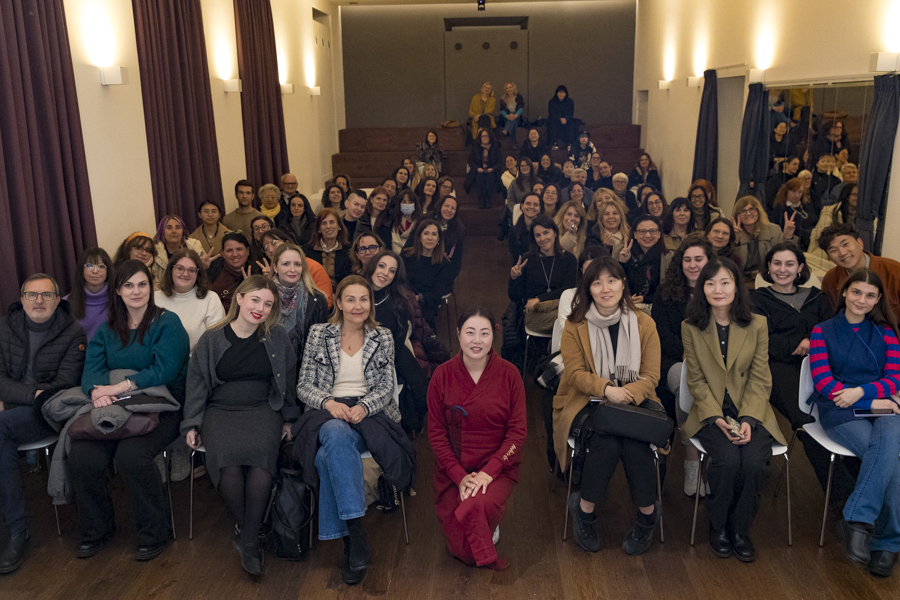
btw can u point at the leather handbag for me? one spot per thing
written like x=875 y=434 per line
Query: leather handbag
x=292 y=509
x=645 y=423
x=139 y=423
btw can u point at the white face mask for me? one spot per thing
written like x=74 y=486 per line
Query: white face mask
x=407 y=209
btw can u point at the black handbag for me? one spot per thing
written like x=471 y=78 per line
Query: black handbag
x=645 y=423
x=291 y=511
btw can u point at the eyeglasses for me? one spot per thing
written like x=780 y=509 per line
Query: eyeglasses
x=698 y=197
x=92 y=267
x=368 y=249
x=270 y=246
x=143 y=250
x=290 y=184
x=654 y=203
x=750 y=210
x=646 y=231
x=182 y=270
x=261 y=228
x=32 y=296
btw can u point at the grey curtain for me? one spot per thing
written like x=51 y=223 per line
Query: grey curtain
x=178 y=113
x=265 y=143
x=875 y=161
x=706 y=148
x=754 y=144
x=46 y=215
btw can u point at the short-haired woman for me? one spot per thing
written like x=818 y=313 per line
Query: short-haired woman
x=534 y=147
x=477 y=428
x=726 y=357
x=547 y=171
x=185 y=291
x=89 y=298
x=611 y=351
x=269 y=200
x=240 y=401
x=755 y=235
x=720 y=233
x=560 y=118
x=328 y=245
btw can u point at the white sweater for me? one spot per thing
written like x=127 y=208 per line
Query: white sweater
x=196 y=314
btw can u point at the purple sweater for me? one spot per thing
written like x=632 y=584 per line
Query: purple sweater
x=95 y=311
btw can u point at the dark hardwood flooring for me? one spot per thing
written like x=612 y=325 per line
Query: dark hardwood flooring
x=542 y=565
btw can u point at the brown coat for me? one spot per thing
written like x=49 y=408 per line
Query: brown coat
x=746 y=376
x=580 y=381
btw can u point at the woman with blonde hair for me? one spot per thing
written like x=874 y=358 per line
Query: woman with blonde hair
x=303 y=304
x=610 y=229
x=481 y=109
x=240 y=399
x=755 y=235
x=572 y=223
x=512 y=107
x=601 y=196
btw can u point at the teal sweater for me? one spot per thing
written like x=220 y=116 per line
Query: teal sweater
x=161 y=360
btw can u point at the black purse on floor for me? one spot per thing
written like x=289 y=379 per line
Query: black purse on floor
x=291 y=513
x=645 y=423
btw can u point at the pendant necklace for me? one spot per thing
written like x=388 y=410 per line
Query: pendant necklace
x=553 y=264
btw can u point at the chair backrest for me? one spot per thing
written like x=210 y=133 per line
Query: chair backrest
x=807 y=387
x=556 y=338
x=685 y=400
x=517 y=212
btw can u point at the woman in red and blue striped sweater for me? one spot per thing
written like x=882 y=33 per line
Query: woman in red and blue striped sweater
x=855 y=363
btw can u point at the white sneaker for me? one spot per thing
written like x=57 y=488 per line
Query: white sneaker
x=496 y=535
x=691 y=473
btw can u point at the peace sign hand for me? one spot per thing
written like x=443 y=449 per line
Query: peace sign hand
x=789 y=225
x=265 y=267
x=736 y=223
x=516 y=271
x=207 y=259
x=245 y=271
x=625 y=252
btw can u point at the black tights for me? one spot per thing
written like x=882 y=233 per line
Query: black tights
x=246 y=491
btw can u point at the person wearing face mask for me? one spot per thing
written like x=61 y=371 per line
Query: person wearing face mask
x=185 y=291
x=454 y=232
x=377 y=217
x=404 y=213
x=477 y=428
x=89 y=298
x=645 y=261
x=429 y=270
x=677 y=223
x=240 y=405
x=793 y=212
x=329 y=245
x=229 y=270
x=298 y=220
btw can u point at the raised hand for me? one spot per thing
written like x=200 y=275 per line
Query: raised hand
x=789 y=225
x=736 y=223
x=516 y=271
x=207 y=259
x=625 y=252
x=265 y=267
x=246 y=272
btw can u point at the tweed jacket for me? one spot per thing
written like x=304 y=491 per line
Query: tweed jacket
x=322 y=360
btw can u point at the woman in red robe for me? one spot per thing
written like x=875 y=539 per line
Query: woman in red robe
x=477 y=427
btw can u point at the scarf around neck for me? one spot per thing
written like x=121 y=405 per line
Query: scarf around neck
x=625 y=366
x=291 y=295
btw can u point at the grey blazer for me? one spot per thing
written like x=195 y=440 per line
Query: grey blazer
x=322 y=359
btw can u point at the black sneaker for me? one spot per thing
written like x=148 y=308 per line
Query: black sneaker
x=640 y=538
x=584 y=525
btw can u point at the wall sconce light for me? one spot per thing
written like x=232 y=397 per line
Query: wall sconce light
x=315 y=91
x=663 y=84
x=884 y=61
x=233 y=86
x=113 y=76
x=756 y=75
x=287 y=88
x=694 y=82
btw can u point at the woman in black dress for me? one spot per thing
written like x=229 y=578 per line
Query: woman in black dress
x=429 y=270
x=241 y=381
x=485 y=168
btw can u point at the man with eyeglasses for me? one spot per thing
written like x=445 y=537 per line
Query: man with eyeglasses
x=289 y=185
x=41 y=350
x=356 y=208
x=241 y=218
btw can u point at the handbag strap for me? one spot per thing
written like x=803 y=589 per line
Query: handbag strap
x=291 y=490
x=582 y=430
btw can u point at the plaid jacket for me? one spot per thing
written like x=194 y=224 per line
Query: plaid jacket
x=322 y=359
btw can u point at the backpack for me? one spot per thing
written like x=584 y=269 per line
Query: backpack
x=291 y=512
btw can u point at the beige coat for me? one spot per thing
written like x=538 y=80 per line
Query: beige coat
x=746 y=376
x=769 y=236
x=580 y=381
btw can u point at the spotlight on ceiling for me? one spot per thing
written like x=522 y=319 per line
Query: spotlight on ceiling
x=481 y=5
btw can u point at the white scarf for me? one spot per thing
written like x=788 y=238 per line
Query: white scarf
x=625 y=366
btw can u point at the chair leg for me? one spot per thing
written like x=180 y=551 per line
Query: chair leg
x=781 y=475
x=787 y=470
x=191 y=521
x=662 y=536
x=525 y=360
x=168 y=460
x=55 y=508
x=827 y=498
x=697 y=499
x=403 y=510
x=566 y=521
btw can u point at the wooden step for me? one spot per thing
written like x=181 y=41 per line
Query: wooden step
x=480 y=221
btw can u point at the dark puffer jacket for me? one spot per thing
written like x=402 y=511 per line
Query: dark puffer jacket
x=58 y=363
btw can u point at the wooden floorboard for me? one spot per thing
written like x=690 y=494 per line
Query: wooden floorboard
x=542 y=565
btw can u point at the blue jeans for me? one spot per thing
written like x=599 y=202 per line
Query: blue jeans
x=341 y=487
x=511 y=123
x=876 y=498
x=18 y=426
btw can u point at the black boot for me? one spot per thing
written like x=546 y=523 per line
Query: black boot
x=854 y=539
x=358 y=557
x=14 y=555
x=882 y=563
x=350 y=576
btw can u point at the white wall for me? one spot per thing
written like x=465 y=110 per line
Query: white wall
x=113 y=120
x=798 y=41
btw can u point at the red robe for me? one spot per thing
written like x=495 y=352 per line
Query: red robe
x=490 y=435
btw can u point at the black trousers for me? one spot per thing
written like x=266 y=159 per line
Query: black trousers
x=736 y=475
x=133 y=458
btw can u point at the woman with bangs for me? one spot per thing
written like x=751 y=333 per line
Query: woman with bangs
x=298 y=220
x=794 y=213
x=171 y=236
x=89 y=298
x=428 y=269
x=677 y=223
x=184 y=290
x=610 y=230
x=702 y=195
x=404 y=212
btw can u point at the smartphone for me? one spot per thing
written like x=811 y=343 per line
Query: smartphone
x=872 y=412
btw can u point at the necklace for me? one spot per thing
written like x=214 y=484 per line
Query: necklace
x=380 y=302
x=553 y=264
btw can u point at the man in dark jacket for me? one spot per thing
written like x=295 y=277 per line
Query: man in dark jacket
x=41 y=348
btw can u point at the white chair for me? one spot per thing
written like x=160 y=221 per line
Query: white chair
x=816 y=432
x=44 y=445
x=685 y=401
x=528 y=335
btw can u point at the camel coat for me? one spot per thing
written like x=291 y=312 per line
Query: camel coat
x=580 y=381
x=490 y=106
x=746 y=376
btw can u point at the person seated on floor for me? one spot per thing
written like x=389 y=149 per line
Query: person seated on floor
x=404 y=213
x=329 y=245
x=454 y=233
x=677 y=223
x=229 y=270
x=427 y=192
x=645 y=172
x=560 y=118
x=428 y=269
x=356 y=208
x=611 y=351
x=171 y=236
x=211 y=231
x=547 y=170
x=572 y=223
x=610 y=230
x=669 y=304
x=581 y=151
x=599 y=173
x=41 y=348
x=534 y=147
x=350 y=409
x=377 y=216
x=720 y=233
x=512 y=107
x=270 y=200
x=482 y=108
x=484 y=168
x=239 y=219
x=520 y=233
x=842 y=243
x=298 y=219
x=726 y=358
x=646 y=261
x=89 y=298
x=755 y=235
x=703 y=203
x=240 y=404
x=184 y=290
x=842 y=212
x=478 y=398
x=855 y=363
x=152 y=343
x=272 y=240
x=793 y=212
x=429 y=152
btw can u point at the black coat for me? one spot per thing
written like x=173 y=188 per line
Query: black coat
x=820 y=189
x=805 y=221
x=560 y=109
x=519 y=239
x=431 y=281
x=284 y=222
x=364 y=225
x=535 y=154
x=636 y=270
x=494 y=161
x=596 y=184
x=668 y=316
x=787 y=327
x=58 y=363
x=343 y=266
x=636 y=179
x=533 y=282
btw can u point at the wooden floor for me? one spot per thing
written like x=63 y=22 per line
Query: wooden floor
x=542 y=565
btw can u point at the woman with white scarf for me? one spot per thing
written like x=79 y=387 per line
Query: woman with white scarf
x=302 y=303
x=611 y=351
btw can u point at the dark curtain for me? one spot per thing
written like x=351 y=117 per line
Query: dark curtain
x=706 y=149
x=755 y=144
x=178 y=113
x=264 y=140
x=875 y=161
x=46 y=216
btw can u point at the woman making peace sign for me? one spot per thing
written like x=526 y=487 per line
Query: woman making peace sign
x=645 y=263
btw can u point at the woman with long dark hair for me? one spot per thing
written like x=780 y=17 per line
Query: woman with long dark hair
x=702 y=195
x=794 y=213
x=404 y=213
x=547 y=171
x=644 y=259
x=645 y=172
x=429 y=270
x=429 y=152
x=377 y=217
x=299 y=220
x=533 y=147
x=427 y=193
x=89 y=298
x=445 y=213
x=485 y=167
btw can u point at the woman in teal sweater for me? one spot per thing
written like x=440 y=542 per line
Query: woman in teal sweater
x=151 y=341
